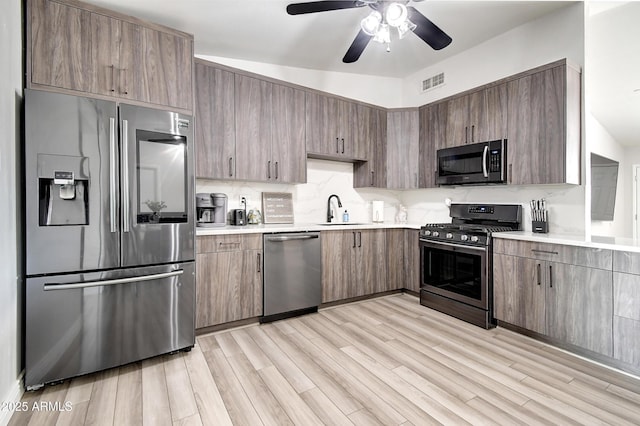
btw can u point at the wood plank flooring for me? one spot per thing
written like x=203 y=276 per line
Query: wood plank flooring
x=384 y=361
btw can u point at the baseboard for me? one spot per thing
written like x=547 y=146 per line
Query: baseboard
x=13 y=396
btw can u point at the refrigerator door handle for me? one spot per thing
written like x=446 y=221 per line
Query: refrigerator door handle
x=125 y=176
x=113 y=174
x=99 y=283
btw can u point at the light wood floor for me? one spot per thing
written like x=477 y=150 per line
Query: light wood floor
x=384 y=361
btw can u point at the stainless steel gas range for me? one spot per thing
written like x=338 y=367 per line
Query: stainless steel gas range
x=456 y=260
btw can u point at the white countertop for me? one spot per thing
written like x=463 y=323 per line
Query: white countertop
x=610 y=243
x=299 y=227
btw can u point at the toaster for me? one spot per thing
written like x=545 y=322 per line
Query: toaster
x=238 y=217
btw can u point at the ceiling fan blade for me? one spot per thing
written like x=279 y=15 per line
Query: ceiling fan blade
x=357 y=47
x=321 y=6
x=427 y=30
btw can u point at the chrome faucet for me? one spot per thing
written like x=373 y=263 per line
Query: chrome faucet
x=329 y=211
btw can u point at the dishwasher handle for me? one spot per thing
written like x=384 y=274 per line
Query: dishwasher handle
x=292 y=237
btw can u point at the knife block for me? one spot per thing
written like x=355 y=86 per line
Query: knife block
x=540 y=227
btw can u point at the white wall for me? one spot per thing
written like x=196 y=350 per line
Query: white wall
x=382 y=91
x=632 y=158
x=10 y=98
x=549 y=38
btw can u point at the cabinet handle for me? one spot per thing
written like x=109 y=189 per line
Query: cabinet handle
x=539 y=268
x=223 y=244
x=343 y=145
x=269 y=170
x=259 y=263
x=120 y=70
x=354 y=240
x=473 y=128
x=550 y=277
x=276 y=170
x=417 y=182
x=337 y=145
x=543 y=251
x=360 y=239
x=466 y=134
x=113 y=78
x=371 y=177
x=230 y=166
x=510 y=173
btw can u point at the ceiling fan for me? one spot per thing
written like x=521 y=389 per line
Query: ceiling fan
x=384 y=14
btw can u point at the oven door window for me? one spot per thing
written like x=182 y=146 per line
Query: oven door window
x=162 y=178
x=452 y=273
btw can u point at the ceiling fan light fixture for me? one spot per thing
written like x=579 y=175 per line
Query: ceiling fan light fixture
x=396 y=14
x=371 y=24
x=405 y=28
x=383 y=35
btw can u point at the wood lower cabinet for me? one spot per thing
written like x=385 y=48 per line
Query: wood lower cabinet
x=538 y=290
x=626 y=307
x=353 y=263
x=411 y=260
x=228 y=278
x=82 y=49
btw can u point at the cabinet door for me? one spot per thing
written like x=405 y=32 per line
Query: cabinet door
x=337 y=263
x=580 y=306
x=61 y=46
x=519 y=292
x=402 y=149
x=347 y=121
x=458 y=121
x=395 y=259
x=488 y=114
x=215 y=132
x=321 y=125
x=288 y=152
x=155 y=67
x=105 y=55
x=362 y=128
x=432 y=132
x=228 y=287
x=373 y=172
x=626 y=310
x=253 y=128
x=370 y=272
x=412 y=260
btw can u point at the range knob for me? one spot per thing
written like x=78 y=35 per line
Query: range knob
x=427 y=233
x=464 y=237
x=435 y=234
x=449 y=235
x=474 y=238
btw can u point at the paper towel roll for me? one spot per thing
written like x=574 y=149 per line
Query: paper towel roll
x=377 y=211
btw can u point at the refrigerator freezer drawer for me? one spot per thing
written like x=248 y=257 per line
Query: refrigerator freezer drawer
x=81 y=323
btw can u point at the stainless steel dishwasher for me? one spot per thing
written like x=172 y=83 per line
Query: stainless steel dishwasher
x=292 y=274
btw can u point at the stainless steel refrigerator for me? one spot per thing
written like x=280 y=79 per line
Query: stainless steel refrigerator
x=109 y=247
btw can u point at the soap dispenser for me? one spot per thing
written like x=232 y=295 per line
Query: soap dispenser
x=345 y=216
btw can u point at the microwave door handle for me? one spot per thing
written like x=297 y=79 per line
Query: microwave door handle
x=484 y=161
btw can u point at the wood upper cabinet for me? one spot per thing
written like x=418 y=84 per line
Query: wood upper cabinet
x=248 y=128
x=353 y=263
x=228 y=278
x=89 y=50
x=215 y=134
x=432 y=136
x=544 y=127
x=550 y=291
x=373 y=172
x=477 y=117
x=402 y=149
x=334 y=129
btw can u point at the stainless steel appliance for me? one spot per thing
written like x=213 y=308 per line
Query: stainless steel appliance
x=109 y=251
x=211 y=209
x=292 y=274
x=455 y=260
x=238 y=217
x=476 y=163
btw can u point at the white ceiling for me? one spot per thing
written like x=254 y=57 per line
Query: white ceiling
x=262 y=31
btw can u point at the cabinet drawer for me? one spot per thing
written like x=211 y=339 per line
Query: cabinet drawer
x=231 y=242
x=626 y=261
x=581 y=256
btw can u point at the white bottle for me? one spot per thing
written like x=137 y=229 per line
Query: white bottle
x=345 y=216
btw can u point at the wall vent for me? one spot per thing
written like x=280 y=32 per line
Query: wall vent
x=432 y=82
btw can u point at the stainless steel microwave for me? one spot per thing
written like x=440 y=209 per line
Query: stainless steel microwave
x=476 y=163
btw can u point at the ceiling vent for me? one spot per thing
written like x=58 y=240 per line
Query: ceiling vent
x=432 y=82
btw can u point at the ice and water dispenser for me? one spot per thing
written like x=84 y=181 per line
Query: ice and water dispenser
x=63 y=185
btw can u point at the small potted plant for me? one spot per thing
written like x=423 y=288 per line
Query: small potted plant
x=155 y=207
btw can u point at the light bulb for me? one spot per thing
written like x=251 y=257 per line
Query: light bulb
x=405 y=27
x=396 y=14
x=382 y=35
x=371 y=23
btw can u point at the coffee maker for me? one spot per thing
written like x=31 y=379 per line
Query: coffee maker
x=211 y=209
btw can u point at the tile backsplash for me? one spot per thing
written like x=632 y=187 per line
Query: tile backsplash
x=565 y=202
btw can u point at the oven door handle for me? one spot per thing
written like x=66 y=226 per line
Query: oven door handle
x=485 y=152
x=457 y=246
